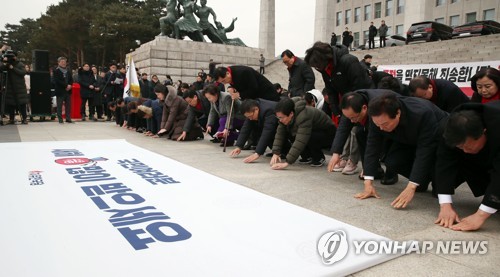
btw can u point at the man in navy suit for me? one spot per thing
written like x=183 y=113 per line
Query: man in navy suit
x=260 y=123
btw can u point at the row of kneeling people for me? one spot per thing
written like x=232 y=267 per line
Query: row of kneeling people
x=436 y=136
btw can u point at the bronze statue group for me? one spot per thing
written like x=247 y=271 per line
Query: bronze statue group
x=180 y=21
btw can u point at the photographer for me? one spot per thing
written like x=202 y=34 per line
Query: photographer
x=16 y=96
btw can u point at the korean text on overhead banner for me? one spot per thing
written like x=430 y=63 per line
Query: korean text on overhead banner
x=458 y=73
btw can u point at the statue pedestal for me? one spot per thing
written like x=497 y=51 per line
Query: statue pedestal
x=182 y=59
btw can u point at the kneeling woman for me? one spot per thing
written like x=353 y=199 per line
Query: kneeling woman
x=228 y=112
x=175 y=111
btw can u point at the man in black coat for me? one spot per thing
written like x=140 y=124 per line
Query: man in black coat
x=261 y=123
x=16 y=95
x=354 y=107
x=301 y=77
x=372 y=32
x=333 y=39
x=341 y=71
x=247 y=82
x=145 y=85
x=87 y=85
x=198 y=110
x=443 y=93
x=469 y=152
x=63 y=83
x=345 y=38
x=113 y=81
x=366 y=62
x=411 y=125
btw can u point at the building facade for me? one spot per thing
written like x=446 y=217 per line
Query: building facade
x=336 y=15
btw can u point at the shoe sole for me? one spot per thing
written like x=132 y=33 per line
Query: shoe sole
x=318 y=165
x=338 y=169
x=350 y=172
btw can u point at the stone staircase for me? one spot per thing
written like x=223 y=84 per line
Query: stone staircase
x=473 y=49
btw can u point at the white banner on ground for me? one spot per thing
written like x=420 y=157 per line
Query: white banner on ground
x=109 y=208
x=458 y=73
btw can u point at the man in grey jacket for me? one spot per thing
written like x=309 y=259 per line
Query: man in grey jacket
x=382 y=32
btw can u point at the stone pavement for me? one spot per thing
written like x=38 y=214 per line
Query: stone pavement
x=330 y=194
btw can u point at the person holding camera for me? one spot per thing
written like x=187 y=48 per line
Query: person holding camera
x=63 y=82
x=16 y=95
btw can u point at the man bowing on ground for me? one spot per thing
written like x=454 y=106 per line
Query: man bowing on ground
x=469 y=152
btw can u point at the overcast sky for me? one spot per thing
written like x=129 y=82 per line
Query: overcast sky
x=294 y=19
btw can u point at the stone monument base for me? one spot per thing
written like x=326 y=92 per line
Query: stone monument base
x=182 y=59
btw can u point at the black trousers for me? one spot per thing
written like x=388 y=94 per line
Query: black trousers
x=400 y=158
x=475 y=171
x=90 y=102
x=96 y=109
x=361 y=137
x=66 y=99
x=319 y=139
x=371 y=42
x=22 y=111
x=382 y=41
x=106 y=99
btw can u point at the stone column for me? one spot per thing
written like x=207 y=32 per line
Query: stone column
x=267 y=27
x=324 y=20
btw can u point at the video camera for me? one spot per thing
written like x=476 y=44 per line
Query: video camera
x=8 y=56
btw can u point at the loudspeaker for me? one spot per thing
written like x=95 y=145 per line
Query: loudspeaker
x=41 y=96
x=40 y=60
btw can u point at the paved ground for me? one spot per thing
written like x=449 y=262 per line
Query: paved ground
x=330 y=194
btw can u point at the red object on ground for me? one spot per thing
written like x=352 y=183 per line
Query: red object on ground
x=76 y=101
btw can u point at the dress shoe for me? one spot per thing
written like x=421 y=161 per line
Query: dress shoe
x=380 y=174
x=25 y=122
x=215 y=140
x=246 y=147
x=69 y=121
x=389 y=180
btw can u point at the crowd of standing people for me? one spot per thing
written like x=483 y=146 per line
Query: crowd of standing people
x=348 y=38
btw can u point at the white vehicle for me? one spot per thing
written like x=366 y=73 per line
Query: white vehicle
x=393 y=40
